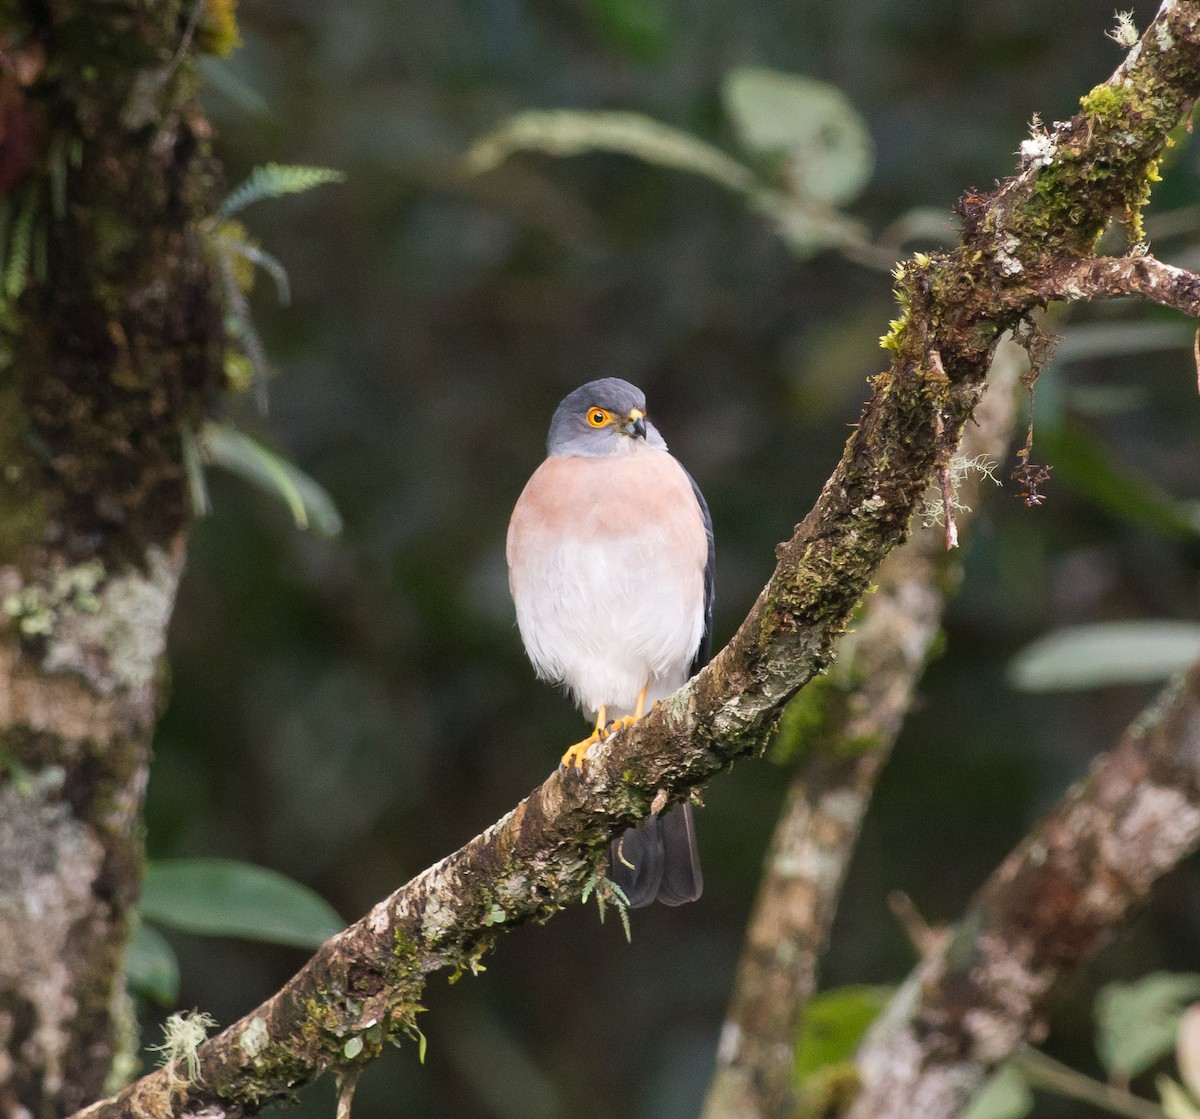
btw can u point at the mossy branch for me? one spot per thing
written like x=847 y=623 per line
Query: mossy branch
x=366 y=982
x=859 y=707
x=1048 y=907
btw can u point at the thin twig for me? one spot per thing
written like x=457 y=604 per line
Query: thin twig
x=1039 y=1070
x=924 y=937
x=946 y=484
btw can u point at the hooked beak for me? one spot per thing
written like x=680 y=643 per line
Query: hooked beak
x=635 y=424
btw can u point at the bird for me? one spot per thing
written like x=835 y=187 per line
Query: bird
x=611 y=567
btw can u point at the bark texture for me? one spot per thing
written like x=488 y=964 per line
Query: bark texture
x=110 y=338
x=846 y=723
x=362 y=987
x=1053 y=902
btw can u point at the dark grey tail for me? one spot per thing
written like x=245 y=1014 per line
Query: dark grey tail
x=658 y=860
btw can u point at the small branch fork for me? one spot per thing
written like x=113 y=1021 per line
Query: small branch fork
x=1108 y=277
x=1056 y=900
x=363 y=986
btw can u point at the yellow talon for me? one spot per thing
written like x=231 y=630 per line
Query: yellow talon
x=573 y=758
x=620 y=724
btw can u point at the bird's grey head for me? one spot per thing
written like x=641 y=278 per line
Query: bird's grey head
x=601 y=418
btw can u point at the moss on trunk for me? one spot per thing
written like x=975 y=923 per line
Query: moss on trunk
x=110 y=332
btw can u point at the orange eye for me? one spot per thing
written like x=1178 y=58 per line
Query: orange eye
x=598 y=417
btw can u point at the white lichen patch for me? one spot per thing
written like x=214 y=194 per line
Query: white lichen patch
x=254 y=1037
x=674 y=707
x=379 y=918
x=1160 y=826
x=1038 y=151
x=50 y=864
x=115 y=638
x=438 y=919
x=1005 y=259
x=514 y=887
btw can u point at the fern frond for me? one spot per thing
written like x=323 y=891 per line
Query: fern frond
x=275 y=179
x=308 y=501
x=264 y=260
x=16 y=265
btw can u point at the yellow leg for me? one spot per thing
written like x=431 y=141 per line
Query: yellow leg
x=628 y=720
x=573 y=758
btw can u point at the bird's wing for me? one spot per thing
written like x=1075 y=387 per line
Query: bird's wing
x=704 y=650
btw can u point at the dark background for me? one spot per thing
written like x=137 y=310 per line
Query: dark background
x=348 y=711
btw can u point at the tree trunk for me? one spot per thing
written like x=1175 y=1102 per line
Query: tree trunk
x=110 y=328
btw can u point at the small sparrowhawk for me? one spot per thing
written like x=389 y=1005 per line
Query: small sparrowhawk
x=610 y=562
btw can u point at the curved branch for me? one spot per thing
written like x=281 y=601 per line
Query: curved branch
x=362 y=986
x=1050 y=905
x=861 y=703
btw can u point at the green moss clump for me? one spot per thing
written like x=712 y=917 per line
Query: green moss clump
x=1108 y=103
x=218 y=31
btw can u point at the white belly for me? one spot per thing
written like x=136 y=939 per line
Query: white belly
x=608 y=581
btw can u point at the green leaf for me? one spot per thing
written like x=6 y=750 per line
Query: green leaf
x=568 y=132
x=1004 y=1095
x=151 y=968
x=1136 y=1023
x=277 y=179
x=809 y=123
x=807 y=226
x=1176 y=1103
x=308 y=501
x=222 y=897
x=261 y=259
x=833 y=1025
x=1105 y=653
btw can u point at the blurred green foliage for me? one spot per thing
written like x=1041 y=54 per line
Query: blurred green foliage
x=347 y=711
x=1137 y=1023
